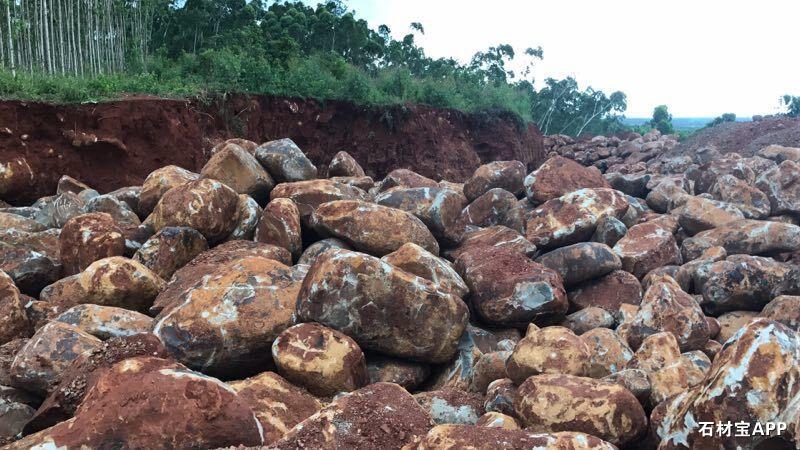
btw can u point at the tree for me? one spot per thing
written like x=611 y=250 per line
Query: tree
x=792 y=104
x=727 y=117
x=662 y=120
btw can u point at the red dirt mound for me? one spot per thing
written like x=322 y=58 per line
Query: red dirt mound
x=745 y=138
x=113 y=144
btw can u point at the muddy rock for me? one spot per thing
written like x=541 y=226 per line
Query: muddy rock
x=497 y=420
x=558 y=176
x=656 y=352
x=14 y=321
x=284 y=160
x=677 y=377
x=665 y=307
x=88 y=238
x=782 y=186
x=404 y=178
x=779 y=153
x=495 y=207
x=246 y=144
x=372 y=228
x=226 y=322
x=731 y=322
x=700 y=214
x=581 y=262
x=552 y=403
x=158 y=183
x=383 y=308
x=30 y=269
x=417 y=261
x=666 y=196
x=609 y=353
x=743 y=282
x=752 y=237
x=438 y=208
x=459 y=373
x=500 y=397
x=7 y=353
x=451 y=406
x=488 y=368
x=9 y=221
x=646 y=247
x=312 y=252
x=588 y=319
x=170 y=249
x=609 y=231
x=550 y=350
x=635 y=380
x=308 y=195
x=634 y=184
x=509 y=289
x=508 y=175
x=105 y=322
x=784 y=309
x=484 y=437
x=382 y=415
x=573 y=217
x=38 y=366
x=753 y=203
x=205 y=205
x=247 y=214
x=408 y=374
x=495 y=236
x=344 y=165
x=364 y=183
x=122 y=214
x=16 y=180
x=278 y=404
x=236 y=168
x=607 y=292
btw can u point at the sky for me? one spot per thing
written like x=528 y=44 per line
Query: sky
x=702 y=58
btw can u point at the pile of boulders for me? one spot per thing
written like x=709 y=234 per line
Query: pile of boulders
x=258 y=303
x=606 y=153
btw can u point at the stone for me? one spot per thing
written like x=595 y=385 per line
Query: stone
x=608 y=292
x=344 y=165
x=753 y=203
x=7 y=353
x=634 y=184
x=559 y=176
x=552 y=403
x=508 y=175
x=417 y=261
x=548 y=350
x=128 y=195
x=10 y=221
x=573 y=217
x=38 y=366
x=484 y=437
x=363 y=183
x=246 y=144
x=451 y=406
x=372 y=228
x=752 y=237
x=634 y=380
x=699 y=214
x=381 y=415
x=665 y=307
x=226 y=322
x=284 y=160
x=405 y=178
x=460 y=372
x=383 y=308
x=247 y=214
x=14 y=321
x=312 y=252
x=588 y=319
x=13 y=417
x=609 y=353
x=88 y=238
x=158 y=183
x=488 y=368
x=321 y=359
x=666 y=196
x=408 y=374
x=609 y=231
x=497 y=420
x=779 y=153
x=676 y=378
x=279 y=225
x=184 y=409
x=731 y=322
x=277 y=404
x=743 y=282
x=782 y=186
x=656 y=352
x=577 y=263
x=495 y=236
x=784 y=309
x=122 y=214
x=500 y=397
x=646 y=247
x=205 y=205
x=30 y=269
x=495 y=207
x=508 y=289
x=105 y=322
x=170 y=249
x=236 y=168
x=438 y=208
x=308 y=195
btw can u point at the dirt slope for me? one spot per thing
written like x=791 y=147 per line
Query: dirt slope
x=745 y=138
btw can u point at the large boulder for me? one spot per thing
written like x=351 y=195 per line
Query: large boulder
x=609 y=353
x=9 y=221
x=383 y=308
x=170 y=249
x=581 y=262
x=700 y=214
x=284 y=160
x=240 y=171
x=30 y=269
x=158 y=183
x=559 y=176
x=496 y=236
x=279 y=225
x=743 y=282
x=121 y=212
x=495 y=207
x=372 y=228
x=753 y=203
x=13 y=318
x=647 y=246
x=438 y=208
x=548 y=350
x=417 y=261
x=752 y=237
x=404 y=178
x=247 y=215
x=88 y=238
x=309 y=194
x=508 y=175
x=453 y=436
x=607 y=292
x=779 y=153
x=784 y=309
x=782 y=186
x=106 y=322
x=344 y=165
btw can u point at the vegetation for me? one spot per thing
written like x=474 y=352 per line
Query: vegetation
x=662 y=120
x=792 y=104
x=727 y=117
x=88 y=50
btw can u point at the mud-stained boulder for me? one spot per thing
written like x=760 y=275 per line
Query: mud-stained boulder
x=321 y=359
x=106 y=322
x=656 y=352
x=30 y=269
x=558 y=176
x=246 y=144
x=573 y=217
x=509 y=289
x=731 y=322
x=88 y=238
x=609 y=353
x=634 y=380
x=496 y=236
x=38 y=366
x=634 y=184
x=779 y=153
x=438 y=208
x=185 y=410
x=187 y=276
x=247 y=214
x=452 y=437
x=488 y=368
x=647 y=246
x=383 y=308
x=308 y=195
x=665 y=307
x=372 y=228
x=170 y=249
x=754 y=379
x=13 y=417
x=363 y=183
x=688 y=371
x=122 y=214
x=548 y=350
x=743 y=282
x=68 y=184
x=666 y=196
x=753 y=203
x=279 y=225
x=226 y=322
x=284 y=160
x=16 y=180
x=497 y=420
x=344 y=165
x=495 y=207
x=782 y=186
x=9 y=221
x=700 y=214
x=417 y=261
x=7 y=353
x=459 y=373
x=312 y=252
x=236 y=168
x=158 y=183
x=508 y=175
x=451 y=406
x=406 y=179
x=552 y=403
x=382 y=415
x=14 y=321
x=607 y=292
x=205 y=205
x=581 y=262
x=609 y=231
x=500 y=397
x=752 y=237
x=278 y=404
x=408 y=374
x=80 y=376
x=784 y=309
x=588 y=319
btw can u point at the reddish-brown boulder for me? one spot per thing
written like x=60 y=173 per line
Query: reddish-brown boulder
x=11 y=221
x=438 y=208
x=508 y=175
x=495 y=207
x=105 y=322
x=247 y=214
x=784 y=309
x=752 y=237
x=782 y=186
x=170 y=249
x=344 y=165
x=588 y=319
x=609 y=353
x=581 y=262
x=496 y=236
x=308 y=195
x=279 y=225
x=558 y=176
x=284 y=160
x=699 y=214
x=753 y=203
x=416 y=260
x=236 y=168
x=408 y=374
x=405 y=178
x=744 y=282
x=158 y=183
x=647 y=246
x=88 y=238
x=548 y=350
x=312 y=252
x=607 y=292
x=13 y=318
x=452 y=437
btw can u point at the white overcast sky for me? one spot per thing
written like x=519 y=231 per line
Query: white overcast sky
x=700 y=57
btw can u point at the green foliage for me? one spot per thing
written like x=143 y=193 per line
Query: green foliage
x=662 y=120
x=727 y=117
x=792 y=104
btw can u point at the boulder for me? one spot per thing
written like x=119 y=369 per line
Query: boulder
x=753 y=203
x=158 y=183
x=451 y=406
x=500 y=397
x=607 y=292
x=508 y=175
x=588 y=319
x=236 y=168
x=248 y=145
x=30 y=269
x=13 y=318
x=344 y=165
x=743 y=282
x=559 y=176
x=484 y=437
x=105 y=322
x=656 y=352
x=495 y=207
x=408 y=374
x=784 y=309
x=438 y=208
x=488 y=368
x=752 y=237
x=284 y=160
x=782 y=186
x=279 y=225
x=496 y=236
x=88 y=238
x=608 y=352
x=9 y=221
x=383 y=308
x=405 y=178
x=247 y=214
x=497 y=420
x=417 y=261
x=647 y=246
x=581 y=262
x=731 y=322
x=688 y=371
x=308 y=195
x=779 y=153
x=549 y=350
x=634 y=380
x=699 y=214
x=122 y=214
x=312 y=252
x=170 y=249
x=609 y=231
